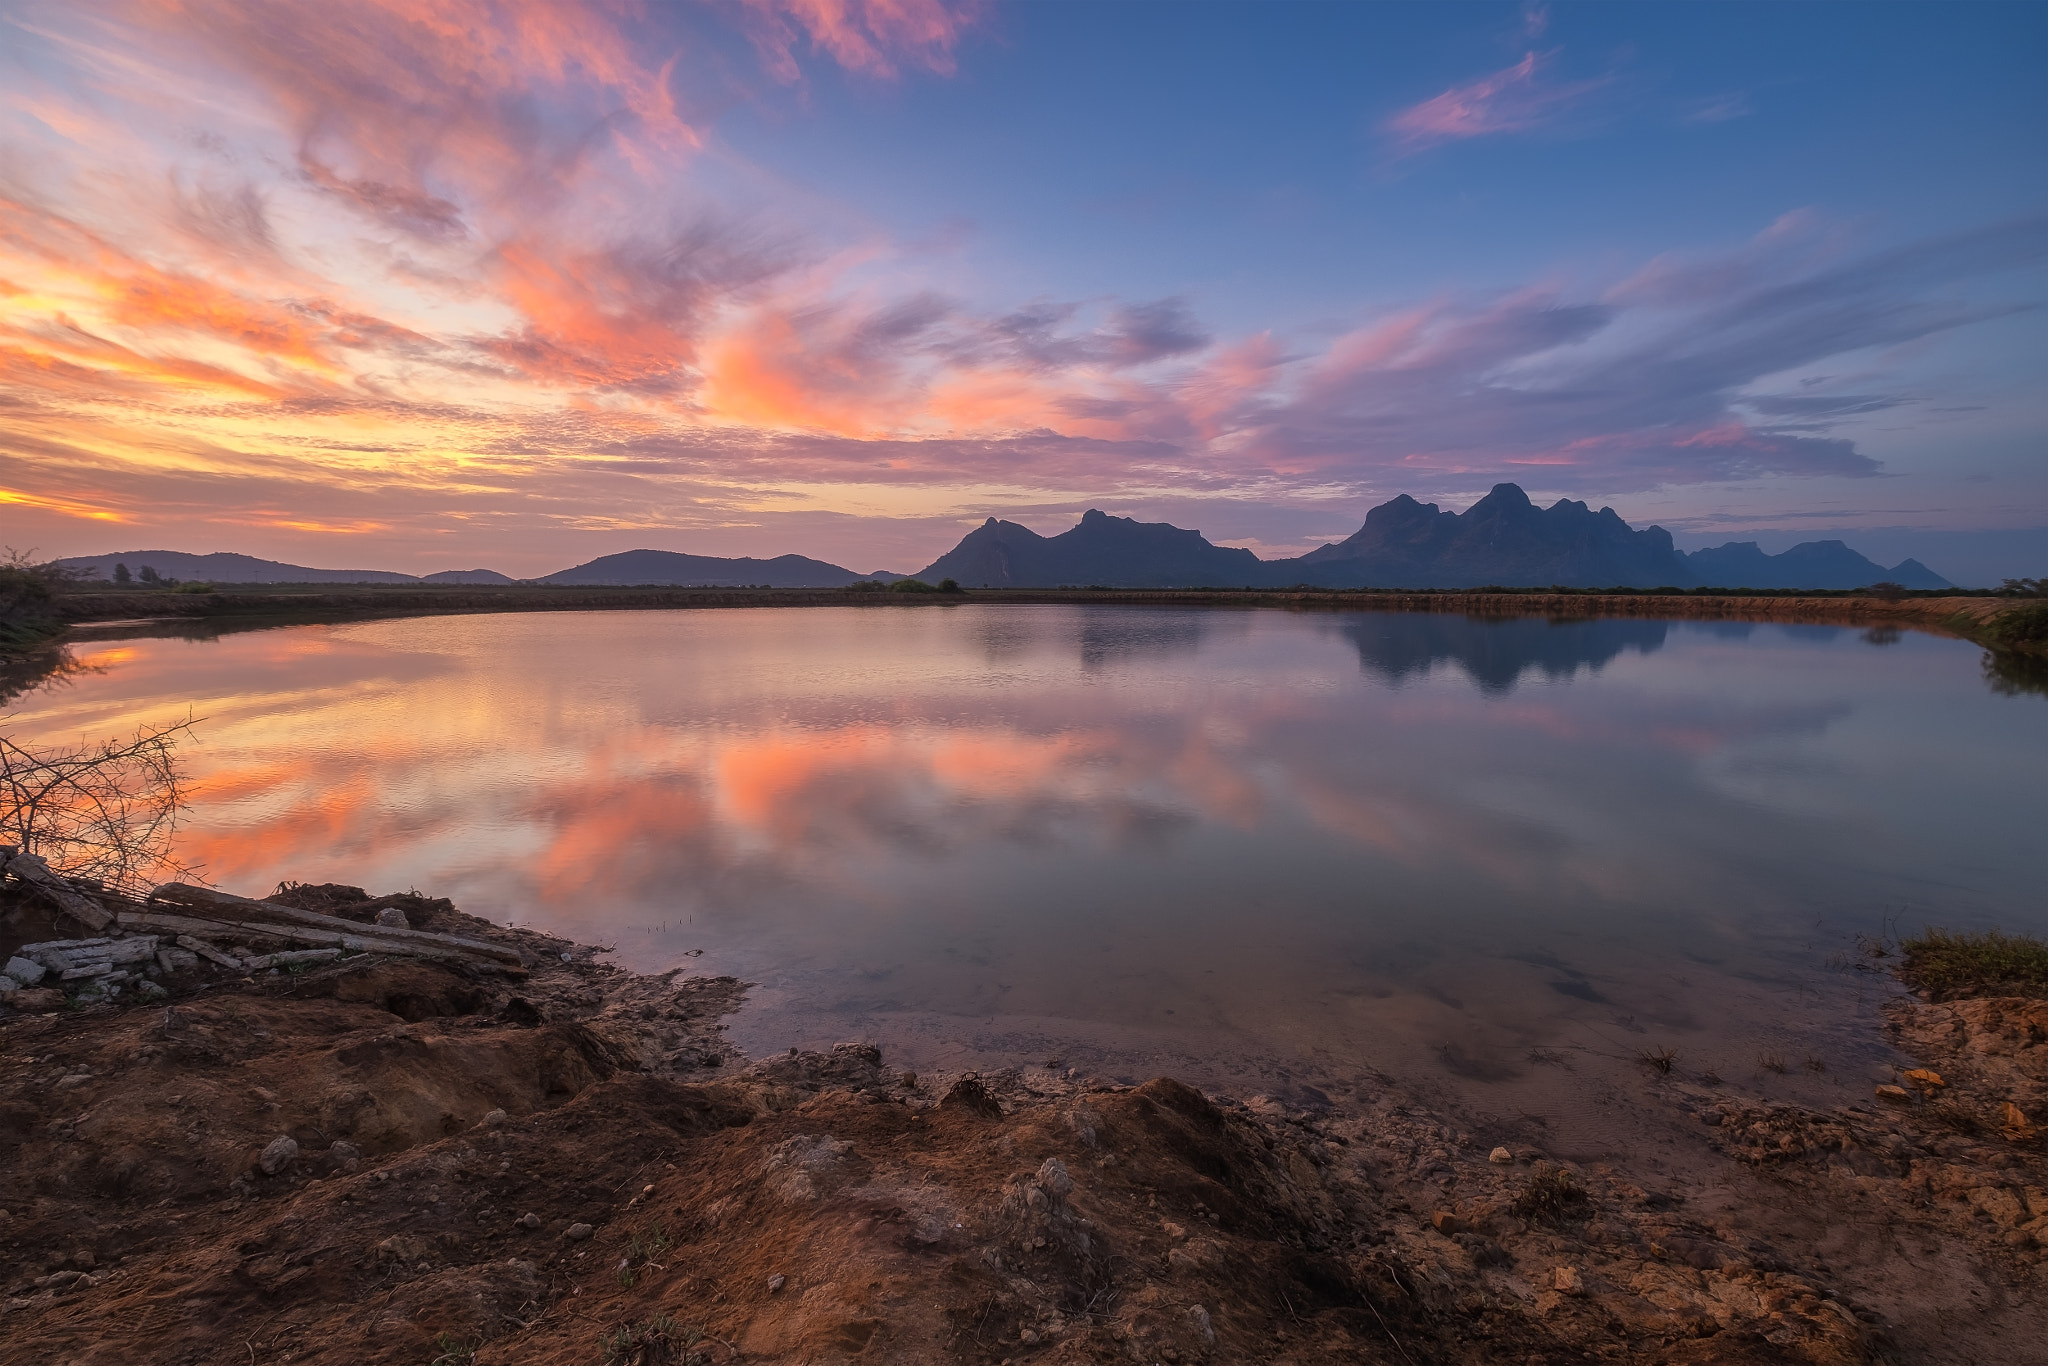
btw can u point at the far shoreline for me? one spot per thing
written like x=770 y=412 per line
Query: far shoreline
x=1963 y=614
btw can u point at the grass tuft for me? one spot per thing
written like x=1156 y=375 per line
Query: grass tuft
x=1947 y=966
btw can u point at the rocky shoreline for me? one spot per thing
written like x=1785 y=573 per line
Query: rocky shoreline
x=372 y=1158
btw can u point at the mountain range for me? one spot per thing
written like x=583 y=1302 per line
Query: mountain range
x=1502 y=539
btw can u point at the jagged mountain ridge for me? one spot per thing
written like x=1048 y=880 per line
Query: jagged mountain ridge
x=1502 y=539
x=1115 y=552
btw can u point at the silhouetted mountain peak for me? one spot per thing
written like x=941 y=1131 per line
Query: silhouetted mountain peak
x=1098 y=549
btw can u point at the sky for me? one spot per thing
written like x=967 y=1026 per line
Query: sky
x=443 y=284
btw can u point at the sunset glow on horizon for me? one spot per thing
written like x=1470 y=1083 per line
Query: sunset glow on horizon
x=437 y=284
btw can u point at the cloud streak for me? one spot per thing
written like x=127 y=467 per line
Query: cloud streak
x=1518 y=99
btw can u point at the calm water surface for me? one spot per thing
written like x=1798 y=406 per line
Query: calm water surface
x=1257 y=849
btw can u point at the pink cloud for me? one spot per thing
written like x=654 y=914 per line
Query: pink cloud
x=869 y=36
x=1512 y=101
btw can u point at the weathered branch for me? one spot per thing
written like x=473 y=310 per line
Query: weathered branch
x=33 y=871
x=205 y=899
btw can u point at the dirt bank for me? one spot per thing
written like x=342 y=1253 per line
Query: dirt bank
x=381 y=1161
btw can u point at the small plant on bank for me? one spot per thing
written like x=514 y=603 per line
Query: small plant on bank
x=453 y=1351
x=1660 y=1061
x=1816 y=1064
x=660 y=1341
x=1947 y=966
x=1772 y=1062
x=1549 y=1197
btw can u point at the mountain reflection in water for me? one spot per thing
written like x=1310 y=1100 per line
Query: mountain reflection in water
x=1235 y=845
x=1494 y=652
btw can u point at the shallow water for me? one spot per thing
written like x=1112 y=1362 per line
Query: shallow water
x=1257 y=849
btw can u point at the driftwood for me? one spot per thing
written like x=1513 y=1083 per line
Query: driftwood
x=208 y=951
x=238 y=931
x=242 y=909
x=31 y=869
x=290 y=957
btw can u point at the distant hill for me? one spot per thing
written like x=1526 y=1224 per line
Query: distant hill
x=1812 y=564
x=674 y=569
x=222 y=567
x=468 y=576
x=1115 y=552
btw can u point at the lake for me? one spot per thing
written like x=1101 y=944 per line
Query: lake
x=1264 y=851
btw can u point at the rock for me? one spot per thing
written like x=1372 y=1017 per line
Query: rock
x=576 y=1233
x=1896 y=1095
x=2010 y=1116
x=1920 y=1078
x=1448 y=1223
x=1053 y=1178
x=176 y=959
x=1565 y=1281
x=1200 y=1318
x=281 y=1152
x=150 y=991
x=38 y=999
x=65 y=1083
x=139 y=949
x=1500 y=1155
x=83 y=1259
x=394 y=917
x=8 y=986
x=776 y=1282
x=24 y=971
x=492 y=1119
x=528 y=1220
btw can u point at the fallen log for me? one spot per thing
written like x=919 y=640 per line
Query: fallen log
x=31 y=869
x=205 y=899
x=353 y=942
x=208 y=951
x=291 y=956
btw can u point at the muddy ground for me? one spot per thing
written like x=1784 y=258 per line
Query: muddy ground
x=569 y=1164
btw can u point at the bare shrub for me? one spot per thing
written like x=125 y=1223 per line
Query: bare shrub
x=106 y=810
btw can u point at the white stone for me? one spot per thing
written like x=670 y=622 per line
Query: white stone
x=25 y=971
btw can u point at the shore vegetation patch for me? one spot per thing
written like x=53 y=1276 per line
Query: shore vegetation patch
x=1948 y=966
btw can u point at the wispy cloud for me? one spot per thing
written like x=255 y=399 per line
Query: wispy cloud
x=1730 y=104
x=1519 y=99
x=875 y=37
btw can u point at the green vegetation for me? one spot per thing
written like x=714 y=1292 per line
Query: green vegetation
x=659 y=1340
x=2022 y=628
x=453 y=1351
x=920 y=586
x=28 y=593
x=1947 y=966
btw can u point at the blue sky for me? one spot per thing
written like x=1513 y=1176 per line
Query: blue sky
x=499 y=281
